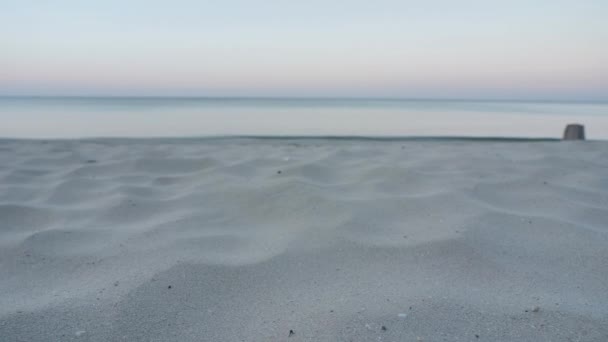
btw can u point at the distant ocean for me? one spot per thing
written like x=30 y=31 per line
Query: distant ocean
x=201 y=117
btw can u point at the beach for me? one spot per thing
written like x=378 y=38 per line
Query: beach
x=243 y=239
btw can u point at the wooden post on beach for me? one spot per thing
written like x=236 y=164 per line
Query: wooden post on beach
x=574 y=132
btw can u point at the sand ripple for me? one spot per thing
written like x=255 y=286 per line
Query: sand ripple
x=244 y=240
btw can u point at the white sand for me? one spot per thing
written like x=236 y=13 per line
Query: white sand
x=434 y=240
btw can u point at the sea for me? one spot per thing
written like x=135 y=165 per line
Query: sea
x=98 y=117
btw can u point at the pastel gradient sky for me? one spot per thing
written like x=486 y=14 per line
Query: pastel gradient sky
x=541 y=49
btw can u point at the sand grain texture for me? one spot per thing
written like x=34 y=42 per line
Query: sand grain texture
x=337 y=240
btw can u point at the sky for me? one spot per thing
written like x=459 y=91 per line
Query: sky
x=542 y=49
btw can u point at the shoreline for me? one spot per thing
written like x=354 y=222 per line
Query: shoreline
x=305 y=137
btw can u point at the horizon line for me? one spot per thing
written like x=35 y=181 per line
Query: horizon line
x=301 y=98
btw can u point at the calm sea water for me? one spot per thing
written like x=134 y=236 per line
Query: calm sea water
x=176 y=117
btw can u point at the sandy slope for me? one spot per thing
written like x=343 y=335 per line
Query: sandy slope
x=245 y=240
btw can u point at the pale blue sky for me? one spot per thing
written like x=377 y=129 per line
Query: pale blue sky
x=542 y=49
